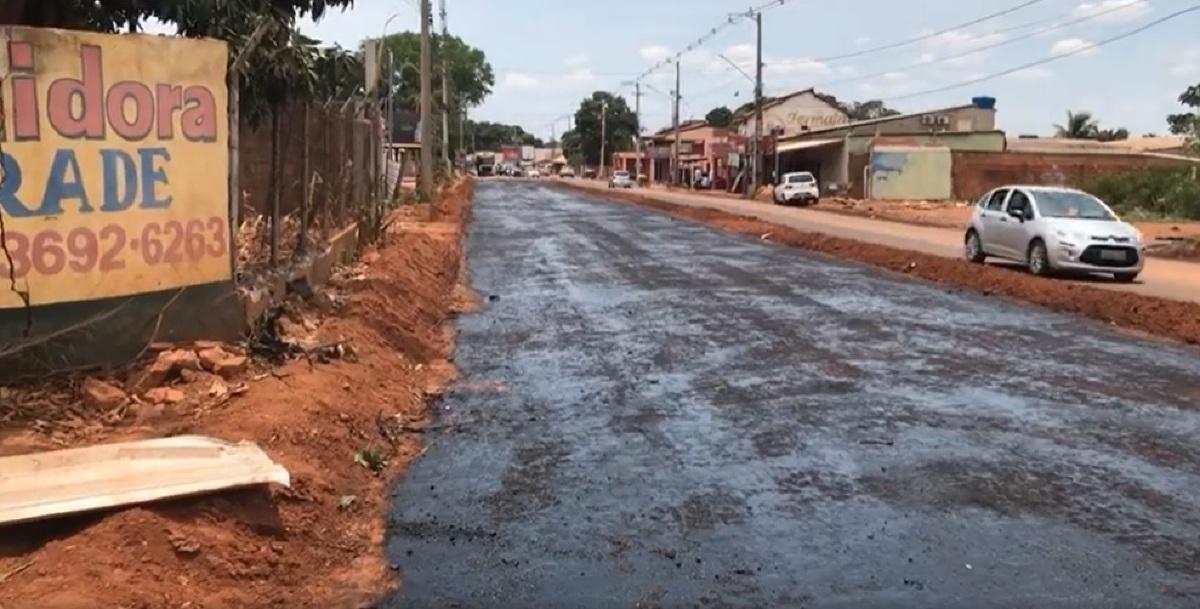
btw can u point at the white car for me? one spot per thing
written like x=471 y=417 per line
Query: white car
x=534 y=173
x=620 y=179
x=1054 y=229
x=798 y=186
x=566 y=172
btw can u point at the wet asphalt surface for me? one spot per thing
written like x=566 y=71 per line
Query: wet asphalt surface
x=657 y=414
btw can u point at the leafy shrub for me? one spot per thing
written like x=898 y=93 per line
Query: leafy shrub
x=1153 y=192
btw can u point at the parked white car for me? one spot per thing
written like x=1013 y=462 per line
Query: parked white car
x=535 y=173
x=620 y=179
x=1054 y=229
x=798 y=186
x=566 y=172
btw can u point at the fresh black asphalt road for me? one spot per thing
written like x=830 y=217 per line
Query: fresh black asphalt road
x=653 y=413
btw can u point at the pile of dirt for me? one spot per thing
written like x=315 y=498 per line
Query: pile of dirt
x=1157 y=316
x=343 y=427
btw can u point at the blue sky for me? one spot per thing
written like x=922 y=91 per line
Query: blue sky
x=548 y=54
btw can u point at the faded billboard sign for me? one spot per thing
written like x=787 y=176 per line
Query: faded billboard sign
x=901 y=173
x=115 y=163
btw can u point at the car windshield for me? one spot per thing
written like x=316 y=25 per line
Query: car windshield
x=800 y=178
x=1066 y=204
x=621 y=174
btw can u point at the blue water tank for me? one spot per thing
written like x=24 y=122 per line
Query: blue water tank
x=984 y=103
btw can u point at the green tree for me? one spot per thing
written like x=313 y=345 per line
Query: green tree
x=491 y=136
x=572 y=149
x=1112 y=135
x=471 y=76
x=719 y=117
x=868 y=110
x=1079 y=126
x=192 y=17
x=1187 y=124
x=339 y=73
x=619 y=121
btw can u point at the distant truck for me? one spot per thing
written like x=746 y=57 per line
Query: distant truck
x=485 y=163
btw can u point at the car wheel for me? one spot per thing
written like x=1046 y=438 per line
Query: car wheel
x=777 y=200
x=973 y=248
x=1039 y=259
x=1125 y=277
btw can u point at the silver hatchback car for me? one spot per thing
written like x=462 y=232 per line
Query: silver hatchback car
x=1054 y=229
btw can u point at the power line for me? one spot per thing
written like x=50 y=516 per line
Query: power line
x=1053 y=58
x=978 y=50
x=699 y=42
x=922 y=38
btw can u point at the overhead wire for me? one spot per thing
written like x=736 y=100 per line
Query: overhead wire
x=929 y=36
x=979 y=49
x=1052 y=58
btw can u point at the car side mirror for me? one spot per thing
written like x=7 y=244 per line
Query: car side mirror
x=1017 y=213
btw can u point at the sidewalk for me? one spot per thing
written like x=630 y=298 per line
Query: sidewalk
x=1161 y=278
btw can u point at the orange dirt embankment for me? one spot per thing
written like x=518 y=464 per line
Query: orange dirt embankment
x=1156 y=316
x=318 y=544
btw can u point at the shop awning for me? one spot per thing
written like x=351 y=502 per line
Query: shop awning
x=807 y=144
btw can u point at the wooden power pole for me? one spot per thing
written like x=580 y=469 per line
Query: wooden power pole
x=425 y=188
x=675 y=124
x=758 y=111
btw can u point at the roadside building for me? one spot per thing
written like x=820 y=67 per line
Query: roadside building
x=793 y=114
x=901 y=156
x=703 y=150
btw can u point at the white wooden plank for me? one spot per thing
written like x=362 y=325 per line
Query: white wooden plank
x=44 y=485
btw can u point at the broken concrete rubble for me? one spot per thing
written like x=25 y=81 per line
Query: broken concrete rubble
x=101 y=395
x=165 y=395
x=166 y=366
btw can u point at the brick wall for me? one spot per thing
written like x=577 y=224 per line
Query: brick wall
x=975 y=173
x=338 y=154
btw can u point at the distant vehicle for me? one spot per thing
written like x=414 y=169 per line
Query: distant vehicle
x=566 y=172
x=516 y=172
x=620 y=179
x=589 y=174
x=534 y=173
x=485 y=164
x=1054 y=229
x=800 y=186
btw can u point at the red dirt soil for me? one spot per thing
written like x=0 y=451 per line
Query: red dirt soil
x=318 y=544
x=1146 y=314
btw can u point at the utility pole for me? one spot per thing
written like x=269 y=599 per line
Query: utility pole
x=758 y=110
x=425 y=188
x=445 y=89
x=603 y=133
x=675 y=124
x=637 y=132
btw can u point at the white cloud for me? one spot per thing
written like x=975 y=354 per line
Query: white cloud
x=795 y=67
x=1034 y=73
x=1185 y=64
x=579 y=76
x=1113 y=11
x=1073 y=46
x=959 y=42
x=576 y=60
x=862 y=41
x=895 y=76
x=655 y=53
x=517 y=80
